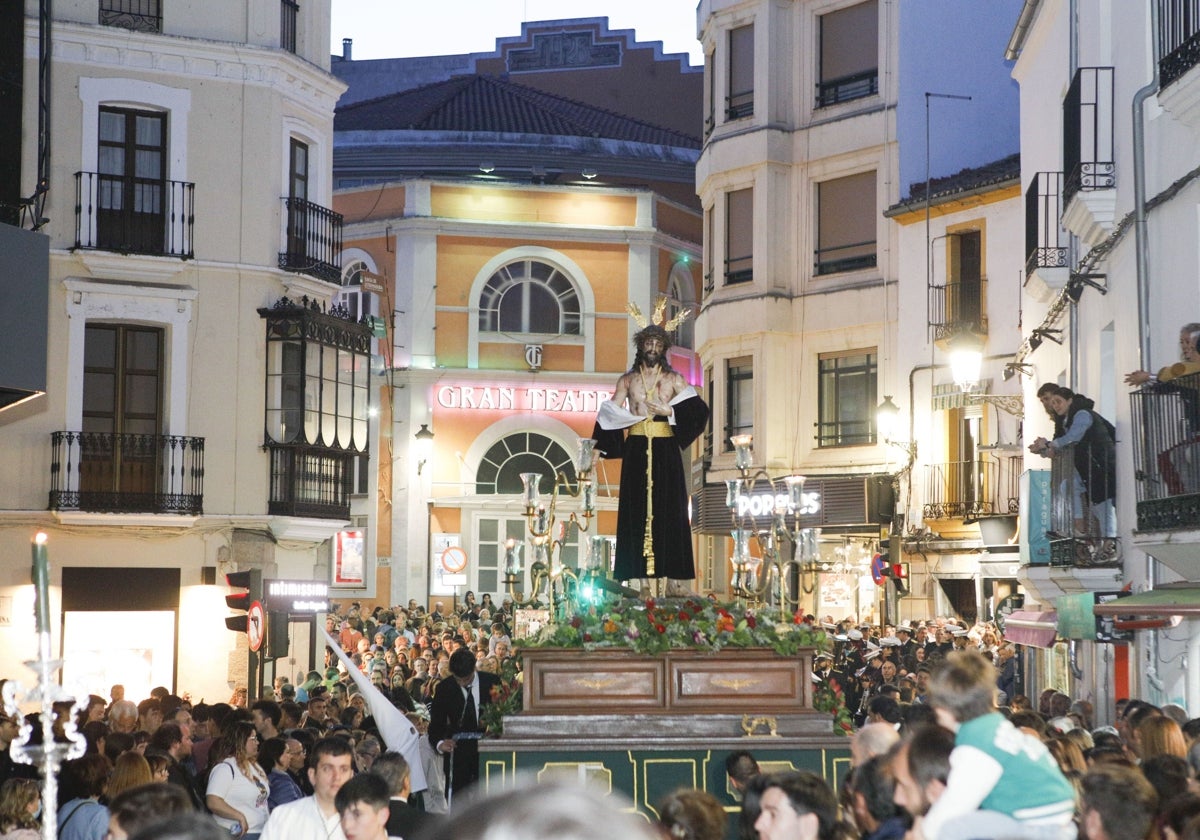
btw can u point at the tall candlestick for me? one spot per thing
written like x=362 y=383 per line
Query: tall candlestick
x=41 y=584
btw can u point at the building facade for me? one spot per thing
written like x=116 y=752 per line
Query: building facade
x=205 y=405
x=817 y=117
x=502 y=229
x=1108 y=123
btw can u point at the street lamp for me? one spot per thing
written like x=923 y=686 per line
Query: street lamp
x=966 y=360
x=887 y=418
x=424 y=446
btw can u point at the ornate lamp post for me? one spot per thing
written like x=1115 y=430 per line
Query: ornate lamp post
x=782 y=550
x=548 y=532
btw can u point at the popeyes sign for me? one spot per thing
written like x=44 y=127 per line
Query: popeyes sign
x=521 y=398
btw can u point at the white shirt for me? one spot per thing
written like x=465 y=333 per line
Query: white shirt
x=302 y=820
x=240 y=793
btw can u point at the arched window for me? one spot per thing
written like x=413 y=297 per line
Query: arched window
x=502 y=465
x=529 y=296
x=353 y=271
x=681 y=295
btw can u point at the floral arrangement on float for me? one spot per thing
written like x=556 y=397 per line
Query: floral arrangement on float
x=653 y=626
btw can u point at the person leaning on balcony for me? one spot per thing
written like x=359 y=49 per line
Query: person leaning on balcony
x=1189 y=360
x=1094 y=439
x=1168 y=380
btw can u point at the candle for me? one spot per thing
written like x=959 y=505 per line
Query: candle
x=512 y=558
x=41 y=583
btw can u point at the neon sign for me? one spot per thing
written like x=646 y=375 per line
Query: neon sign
x=521 y=398
x=765 y=504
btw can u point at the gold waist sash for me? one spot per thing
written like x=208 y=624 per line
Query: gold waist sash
x=652 y=429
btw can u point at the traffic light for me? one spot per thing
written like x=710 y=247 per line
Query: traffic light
x=899 y=575
x=251 y=581
x=277 y=634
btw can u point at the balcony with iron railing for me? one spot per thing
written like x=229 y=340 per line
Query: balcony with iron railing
x=971 y=490
x=1046 y=268
x=288 y=12
x=312 y=481
x=126 y=473
x=846 y=88
x=134 y=215
x=1166 y=452
x=1089 y=156
x=958 y=307
x=313 y=241
x=138 y=15
x=1076 y=533
x=1178 y=39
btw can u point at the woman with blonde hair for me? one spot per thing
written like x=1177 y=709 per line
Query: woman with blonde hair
x=20 y=807
x=130 y=770
x=1159 y=735
x=237 y=787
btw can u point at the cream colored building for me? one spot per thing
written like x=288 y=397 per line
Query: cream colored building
x=189 y=176
x=817 y=118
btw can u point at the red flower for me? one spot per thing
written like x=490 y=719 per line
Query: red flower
x=587 y=637
x=724 y=612
x=649 y=603
x=751 y=622
x=660 y=628
x=684 y=617
x=576 y=621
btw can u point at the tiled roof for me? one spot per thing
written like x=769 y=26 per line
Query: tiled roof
x=490 y=104
x=972 y=178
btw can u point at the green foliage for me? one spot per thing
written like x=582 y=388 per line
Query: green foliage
x=652 y=626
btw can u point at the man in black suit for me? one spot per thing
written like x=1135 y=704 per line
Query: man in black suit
x=457 y=706
x=403 y=820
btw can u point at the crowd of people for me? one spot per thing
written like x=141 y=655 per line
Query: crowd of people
x=945 y=748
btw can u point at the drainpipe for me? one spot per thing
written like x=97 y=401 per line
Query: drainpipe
x=1143 y=286
x=1073 y=311
x=1139 y=197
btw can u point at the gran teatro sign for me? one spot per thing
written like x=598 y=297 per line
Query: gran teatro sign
x=481 y=397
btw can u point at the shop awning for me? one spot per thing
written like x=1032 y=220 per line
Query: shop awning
x=1027 y=627
x=1169 y=599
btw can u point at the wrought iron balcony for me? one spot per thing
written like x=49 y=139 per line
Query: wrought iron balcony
x=134 y=215
x=313 y=481
x=1045 y=240
x=1075 y=537
x=314 y=240
x=845 y=88
x=138 y=15
x=126 y=473
x=288 y=10
x=1088 y=154
x=1178 y=38
x=961 y=490
x=958 y=307
x=1166 y=451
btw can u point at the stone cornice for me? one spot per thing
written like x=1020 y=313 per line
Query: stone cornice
x=113 y=49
